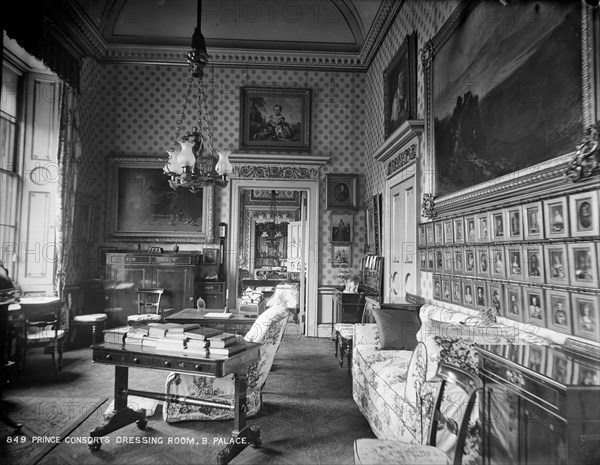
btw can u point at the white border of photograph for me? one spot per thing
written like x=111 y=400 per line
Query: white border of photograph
x=458 y=259
x=575 y=202
x=553 y=297
x=422 y=238
x=553 y=356
x=514 y=228
x=582 y=276
x=495 y=286
x=429 y=234
x=554 y=270
x=480 y=284
x=533 y=226
x=437 y=279
x=470 y=237
x=511 y=288
x=446 y=290
x=498 y=234
x=528 y=317
x=553 y=225
x=533 y=263
x=458 y=225
x=511 y=267
x=497 y=270
x=593 y=333
x=483 y=266
x=465 y=283
x=467 y=270
x=480 y=227
x=438 y=233
x=454 y=285
x=529 y=350
x=448 y=234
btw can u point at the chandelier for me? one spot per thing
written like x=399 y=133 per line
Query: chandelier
x=194 y=164
x=272 y=230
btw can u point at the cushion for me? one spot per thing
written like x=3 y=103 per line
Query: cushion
x=396 y=329
x=371 y=451
x=286 y=295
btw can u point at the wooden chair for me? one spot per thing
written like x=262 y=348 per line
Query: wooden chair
x=456 y=395
x=43 y=327
x=148 y=306
x=76 y=307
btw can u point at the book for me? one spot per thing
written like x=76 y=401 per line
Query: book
x=196 y=344
x=170 y=345
x=201 y=333
x=231 y=350
x=133 y=341
x=218 y=315
x=162 y=329
x=222 y=340
x=138 y=330
x=115 y=335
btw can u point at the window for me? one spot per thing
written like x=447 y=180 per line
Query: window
x=29 y=127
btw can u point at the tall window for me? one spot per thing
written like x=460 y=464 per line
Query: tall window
x=29 y=128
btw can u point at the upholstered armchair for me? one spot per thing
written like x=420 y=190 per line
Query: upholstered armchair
x=267 y=330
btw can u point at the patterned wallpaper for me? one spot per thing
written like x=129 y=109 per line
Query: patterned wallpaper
x=131 y=109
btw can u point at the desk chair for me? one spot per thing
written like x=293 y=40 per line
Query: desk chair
x=43 y=327
x=456 y=396
x=77 y=305
x=148 y=307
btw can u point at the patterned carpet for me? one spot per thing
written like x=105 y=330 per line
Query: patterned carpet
x=308 y=415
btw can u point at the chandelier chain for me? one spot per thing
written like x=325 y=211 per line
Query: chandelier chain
x=202 y=99
x=179 y=122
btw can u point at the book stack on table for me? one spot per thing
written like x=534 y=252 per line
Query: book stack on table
x=185 y=339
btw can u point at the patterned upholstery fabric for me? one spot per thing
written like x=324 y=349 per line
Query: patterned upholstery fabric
x=267 y=330
x=375 y=451
x=346 y=330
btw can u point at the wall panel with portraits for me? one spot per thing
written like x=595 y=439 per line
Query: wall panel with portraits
x=532 y=262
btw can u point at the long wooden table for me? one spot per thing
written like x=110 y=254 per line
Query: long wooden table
x=238 y=323
x=123 y=358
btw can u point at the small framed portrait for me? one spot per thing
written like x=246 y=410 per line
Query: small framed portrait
x=586 y=376
x=448 y=261
x=514 y=223
x=470 y=262
x=438 y=232
x=533 y=222
x=341 y=255
x=210 y=256
x=514 y=302
x=515 y=353
x=556 y=218
x=536 y=359
x=557 y=264
x=448 y=236
x=459 y=261
x=430 y=260
x=423 y=260
x=429 y=234
x=342 y=225
x=459 y=231
x=535 y=312
x=483 y=227
x=468 y=293
x=496 y=297
x=533 y=263
x=559 y=311
x=439 y=260
x=446 y=290
x=481 y=295
x=514 y=263
x=422 y=239
x=470 y=230
x=583 y=264
x=560 y=368
x=437 y=287
x=583 y=210
x=497 y=262
x=456 y=291
x=498 y=226
x=342 y=191
x=483 y=261
x=585 y=316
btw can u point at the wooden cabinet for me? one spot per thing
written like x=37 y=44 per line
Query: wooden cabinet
x=347 y=307
x=213 y=293
x=125 y=272
x=541 y=405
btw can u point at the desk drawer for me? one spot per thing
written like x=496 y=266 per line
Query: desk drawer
x=134 y=359
x=208 y=288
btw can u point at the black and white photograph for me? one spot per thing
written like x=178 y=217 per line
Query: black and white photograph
x=303 y=181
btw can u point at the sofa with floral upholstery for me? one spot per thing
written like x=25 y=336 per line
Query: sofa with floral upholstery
x=397 y=401
x=268 y=330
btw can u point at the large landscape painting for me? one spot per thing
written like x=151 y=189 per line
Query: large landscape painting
x=507 y=90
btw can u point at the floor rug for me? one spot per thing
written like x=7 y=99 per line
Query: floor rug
x=46 y=422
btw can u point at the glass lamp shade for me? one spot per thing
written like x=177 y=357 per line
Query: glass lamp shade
x=186 y=156
x=224 y=167
x=172 y=165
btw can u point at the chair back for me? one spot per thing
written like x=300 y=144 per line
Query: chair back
x=149 y=300
x=268 y=330
x=453 y=408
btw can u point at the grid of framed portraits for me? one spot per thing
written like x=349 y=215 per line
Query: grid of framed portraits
x=536 y=263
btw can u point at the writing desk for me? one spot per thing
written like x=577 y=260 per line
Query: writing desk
x=238 y=323
x=213 y=366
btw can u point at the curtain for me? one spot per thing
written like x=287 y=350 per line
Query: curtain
x=69 y=151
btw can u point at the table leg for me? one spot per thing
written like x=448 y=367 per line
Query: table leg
x=123 y=415
x=349 y=349
x=242 y=435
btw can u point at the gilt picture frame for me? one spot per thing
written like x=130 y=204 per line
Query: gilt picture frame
x=141 y=206
x=341 y=191
x=400 y=86
x=275 y=119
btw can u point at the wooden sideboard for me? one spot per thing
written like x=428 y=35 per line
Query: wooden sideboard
x=541 y=405
x=127 y=271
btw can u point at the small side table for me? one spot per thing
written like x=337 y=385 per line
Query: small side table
x=344 y=333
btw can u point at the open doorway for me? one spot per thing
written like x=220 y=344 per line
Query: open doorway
x=275 y=251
